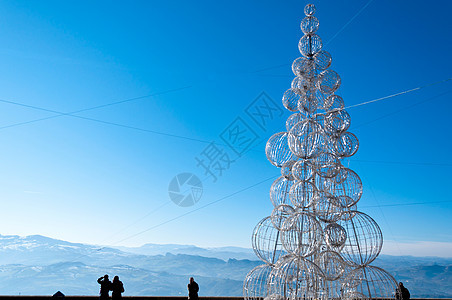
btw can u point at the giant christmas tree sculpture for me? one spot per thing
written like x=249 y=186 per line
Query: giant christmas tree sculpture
x=316 y=244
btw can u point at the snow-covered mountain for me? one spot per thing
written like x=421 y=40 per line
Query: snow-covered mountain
x=223 y=253
x=48 y=265
x=38 y=265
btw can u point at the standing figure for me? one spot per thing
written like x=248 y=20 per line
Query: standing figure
x=193 y=289
x=105 y=286
x=402 y=292
x=117 y=288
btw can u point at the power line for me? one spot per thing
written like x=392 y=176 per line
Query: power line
x=404 y=163
x=199 y=208
x=136 y=221
x=402 y=109
x=179 y=216
x=73 y=114
x=351 y=20
x=329 y=41
x=407 y=204
x=398 y=94
x=60 y=114
x=381 y=210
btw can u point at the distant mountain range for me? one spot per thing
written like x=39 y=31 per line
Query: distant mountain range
x=38 y=265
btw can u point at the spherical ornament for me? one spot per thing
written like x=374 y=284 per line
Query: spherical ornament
x=309 y=24
x=302 y=194
x=335 y=236
x=304 y=87
x=303 y=67
x=326 y=165
x=309 y=9
x=277 y=149
x=340 y=177
x=326 y=208
x=329 y=81
x=302 y=170
x=321 y=99
x=322 y=60
x=348 y=188
x=279 y=191
x=310 y=44
x=337 y=122
x=349 y=213
x=296 y=278
x=286 y=169
x=280 y=214
x=334 y=102
x=255 y=286
x=332 y=288
x=364 y=239
x=266 y=242
x=331 y=264
x=301 y=234
x=306 y=139
x=290 y=100
x=309 y=102
x=294 y=119
x=323 y=183
x=345 y=145
x=369 y=283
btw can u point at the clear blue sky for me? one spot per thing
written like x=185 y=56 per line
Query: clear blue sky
x=85 y=181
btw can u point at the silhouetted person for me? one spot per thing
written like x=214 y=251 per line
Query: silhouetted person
x=193 y=289
x=117 y=288
x=105 y=287
x=402 y=292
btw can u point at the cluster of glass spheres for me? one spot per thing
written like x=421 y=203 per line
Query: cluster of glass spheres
x=316 y=244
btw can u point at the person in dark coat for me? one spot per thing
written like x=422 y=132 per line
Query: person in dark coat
x=193 y=289
x=402 y=292
x=105 y=286
x=117 y=288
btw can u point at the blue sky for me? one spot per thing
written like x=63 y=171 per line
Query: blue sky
x=199 y=65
